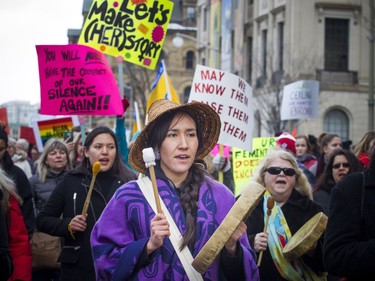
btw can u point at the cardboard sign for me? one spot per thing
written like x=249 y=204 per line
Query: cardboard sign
x=4 y=119
x=245 y=163
x=300 y=100
x=76 y=80
x=52 y=128
x=28 y=134
x=231 y=97
x=134 y=30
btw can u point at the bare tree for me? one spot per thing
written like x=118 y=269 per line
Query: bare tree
x=268 y=92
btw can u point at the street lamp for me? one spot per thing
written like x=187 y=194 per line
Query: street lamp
x=178 y=42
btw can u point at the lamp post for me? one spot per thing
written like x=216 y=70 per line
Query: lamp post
x=178 y=42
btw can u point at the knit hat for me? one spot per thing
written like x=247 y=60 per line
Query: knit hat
x=287 y=141
x=203 y=114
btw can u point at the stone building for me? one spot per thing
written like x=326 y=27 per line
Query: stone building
x=276 y=42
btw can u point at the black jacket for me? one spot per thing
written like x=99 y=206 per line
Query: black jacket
x=349 y=249
x=65 y=202
x=297 y=211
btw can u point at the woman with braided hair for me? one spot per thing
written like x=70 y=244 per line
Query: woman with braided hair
x=131 y=241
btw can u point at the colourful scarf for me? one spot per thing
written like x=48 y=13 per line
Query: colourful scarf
x=278 y=236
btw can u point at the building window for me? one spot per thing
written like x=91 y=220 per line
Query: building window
x=337 y=122
x=249 y=57
x=264 y=53
x=205 y=19
x=280 y=45
x=336 y=44
x=190 y=14
x=190 y=58
x=187 y=94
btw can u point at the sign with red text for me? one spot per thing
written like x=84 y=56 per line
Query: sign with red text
x=245 y=163
x=76 y=80
x=134 y=30
x=300 y=100
x=231 y=97
x=52 y=128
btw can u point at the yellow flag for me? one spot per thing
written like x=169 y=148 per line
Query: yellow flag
x=161 y=89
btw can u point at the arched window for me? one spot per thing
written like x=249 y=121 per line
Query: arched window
x=187 y=94
x=190 y=59
x=337 y=122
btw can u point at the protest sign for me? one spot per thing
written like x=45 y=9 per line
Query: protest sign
x=4 y=119
x=76 y=80
x=300 y=100
x=134 y=30
x=28 y=134
x=245 y=163
x=231 y=97
x=52 y=128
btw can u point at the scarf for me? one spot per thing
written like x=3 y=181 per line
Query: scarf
x=279 y=236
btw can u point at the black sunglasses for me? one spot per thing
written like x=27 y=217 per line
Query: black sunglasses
x=338 y=165
x=277 y=170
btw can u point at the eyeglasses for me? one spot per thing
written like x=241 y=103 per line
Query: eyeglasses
x=277 y=170
x=338 y=165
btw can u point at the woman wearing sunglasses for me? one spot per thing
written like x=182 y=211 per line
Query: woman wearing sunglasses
x=288 y=186
x=342 y=163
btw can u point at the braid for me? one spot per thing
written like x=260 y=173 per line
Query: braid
x=189 y=198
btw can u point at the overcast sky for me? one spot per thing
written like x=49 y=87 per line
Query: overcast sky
x=24 y=24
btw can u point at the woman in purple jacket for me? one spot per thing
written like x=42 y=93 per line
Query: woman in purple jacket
x=130 y=241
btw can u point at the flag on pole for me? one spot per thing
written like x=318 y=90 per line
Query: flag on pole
x=162 y=87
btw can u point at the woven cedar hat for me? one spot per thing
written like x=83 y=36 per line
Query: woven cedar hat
x=203 y=114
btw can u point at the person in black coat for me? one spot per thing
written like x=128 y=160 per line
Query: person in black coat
x=62 y=214
x=349 y=247
x=288 y=186
x=342 y=163
x=22 y=184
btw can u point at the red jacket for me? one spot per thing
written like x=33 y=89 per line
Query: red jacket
x=19 y=244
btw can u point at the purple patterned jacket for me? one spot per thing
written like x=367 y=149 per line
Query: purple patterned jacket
x=122 y=231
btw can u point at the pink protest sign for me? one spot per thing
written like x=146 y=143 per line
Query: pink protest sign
x=76 y=80
x=216 y=150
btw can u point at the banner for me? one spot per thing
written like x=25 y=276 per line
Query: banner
x=231 y=97
x=28 y=134
x=245 y=163
x=76 y=80
x=53 y=128
x=162 y=88
x=300 y=100
x=4 y=119
x=134 y=30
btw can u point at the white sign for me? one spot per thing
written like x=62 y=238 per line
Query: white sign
x=232 y=98
x=300 y=100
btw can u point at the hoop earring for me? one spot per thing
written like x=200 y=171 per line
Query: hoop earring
x=157 y=153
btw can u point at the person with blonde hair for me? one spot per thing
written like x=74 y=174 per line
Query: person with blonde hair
x=18 y=239
x=286 y=183
x=52 y=166
x=362 y=148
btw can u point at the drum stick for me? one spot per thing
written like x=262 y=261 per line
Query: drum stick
x=95 y=171
x=149 y=159
x=270 y=204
